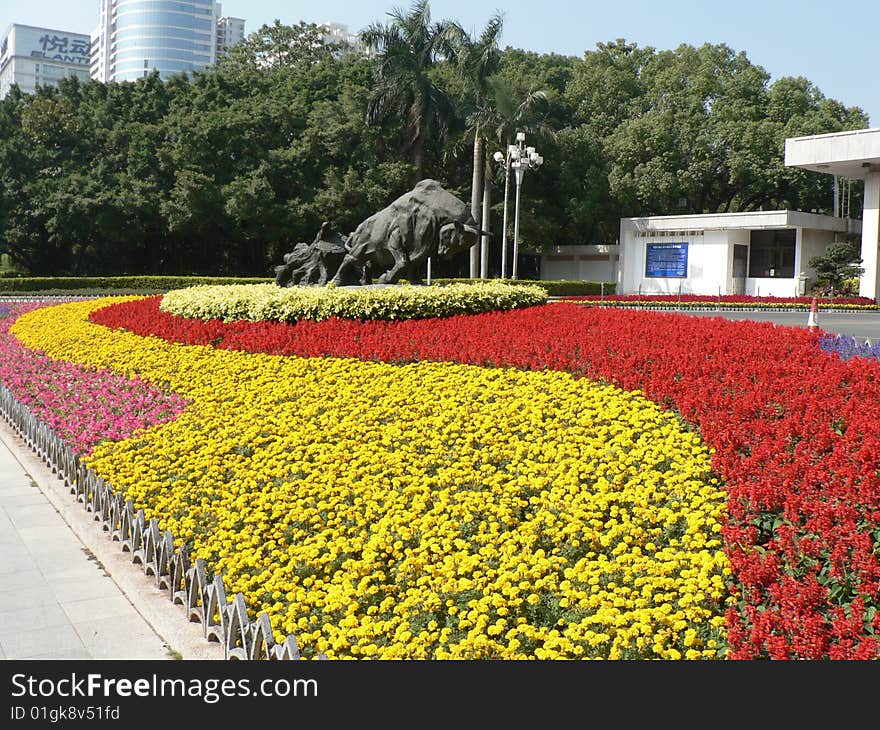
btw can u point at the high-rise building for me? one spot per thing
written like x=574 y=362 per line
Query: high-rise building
x=136 y=37
x=31 y=57
x=345 y=41
x=230 y=31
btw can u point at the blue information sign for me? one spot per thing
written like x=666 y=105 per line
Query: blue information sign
x=667 y=260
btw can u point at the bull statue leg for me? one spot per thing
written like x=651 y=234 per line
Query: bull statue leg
x=401 y=262
x=347 y=263
x=283 y=276
x=322 y=272
x=412 y=272
x=305 y=274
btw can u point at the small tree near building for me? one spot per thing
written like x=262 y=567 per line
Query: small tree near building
x=838 y=269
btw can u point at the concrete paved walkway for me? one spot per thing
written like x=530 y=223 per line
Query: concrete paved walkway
x=67 y=591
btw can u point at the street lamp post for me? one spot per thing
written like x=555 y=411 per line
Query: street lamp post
x=505 y=159
x=519 y=171
x=520 y=158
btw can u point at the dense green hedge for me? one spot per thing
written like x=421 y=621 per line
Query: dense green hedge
x=560 y=288
x=267 y=302
x=149 y=284
x=98 y=283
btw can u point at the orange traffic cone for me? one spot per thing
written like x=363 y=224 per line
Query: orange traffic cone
x=813 y=320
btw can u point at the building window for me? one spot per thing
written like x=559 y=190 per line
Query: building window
x=771 y=254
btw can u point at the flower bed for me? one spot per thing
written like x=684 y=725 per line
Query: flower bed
x=726 y=301
x=786 y=423
x=269 y=302
x=847 y=346
x=430 y=510
x=84 y=406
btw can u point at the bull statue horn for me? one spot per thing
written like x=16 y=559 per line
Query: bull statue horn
x=476 y=231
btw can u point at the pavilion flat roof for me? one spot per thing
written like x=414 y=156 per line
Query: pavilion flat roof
x=741 y=220
x=848 y=154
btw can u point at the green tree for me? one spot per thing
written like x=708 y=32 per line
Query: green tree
x=406 y=49
x=706 y=136
x=477 y=59
x=223 y=171
x=797 y=108
x=279 y=46
x=519 y=109
x=839 y=262
x=261 y=158
x=677 y=151
x=607 y=86
x=50 y=121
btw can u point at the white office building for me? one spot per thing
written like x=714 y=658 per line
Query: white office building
x=753 y=253
x=758 y=253
x=136 y=37
x=230 y=31
x=340 y=35
x=852 y=155
x=32 y=57
x=581 y=263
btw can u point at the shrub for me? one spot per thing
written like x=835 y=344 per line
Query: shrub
x=268 y=302
x=55 y=284
x=555 y=288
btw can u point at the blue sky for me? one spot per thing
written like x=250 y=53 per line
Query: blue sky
x=834 y=45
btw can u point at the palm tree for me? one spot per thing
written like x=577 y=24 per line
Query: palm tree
x=477 y=60
x=515 y=111
x=406 y=49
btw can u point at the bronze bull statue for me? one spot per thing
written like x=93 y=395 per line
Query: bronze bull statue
x=397 y=241
x=314 y=263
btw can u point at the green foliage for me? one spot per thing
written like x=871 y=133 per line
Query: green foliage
x=554 y=288
x=50 y=122
x=260 y=302
x=114 y=283
x=222 y=172
x=279 y=46
x=694 y=130
x=838 y=265
x=575 y=288
x=138 y=284
x=406 y=49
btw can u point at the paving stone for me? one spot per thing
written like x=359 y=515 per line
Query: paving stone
x=79 y=652
x=17 y=486
x=32 y=515
x=13 y=473
x=15 y=557
x=62 y=639
x=98 y=608
x=39 y=595
x=32 y=617
x=46 y=538
x=56 y=599
x=25 y=578
x=116 y=638
x=8 y=534
x=61 y=573
x=63 y=560
x=26 y=499
x=77 y=589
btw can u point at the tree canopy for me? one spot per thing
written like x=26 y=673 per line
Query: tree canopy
x=840 y=263
x=224 y=170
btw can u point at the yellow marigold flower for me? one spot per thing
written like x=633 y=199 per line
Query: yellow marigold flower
x=362 y=502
